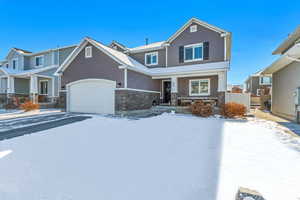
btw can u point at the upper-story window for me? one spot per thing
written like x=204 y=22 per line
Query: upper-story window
x=193 y=52
x=151 y=58
x=7 y=66
x=193 y=28
x=14 y=64
x=88 y=52
x=265 y=80
x=39 y=61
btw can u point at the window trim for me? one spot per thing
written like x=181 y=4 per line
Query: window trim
x=258 y=92
x=40 y=81
x=16 y=61
x=193 y=28
x=261 y=78
x=151 y=54
x=85 y=52
x=193 y=46
x=40 y=56
x=200 y=80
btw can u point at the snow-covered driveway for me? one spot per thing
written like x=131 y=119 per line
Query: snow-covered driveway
x=167 y=157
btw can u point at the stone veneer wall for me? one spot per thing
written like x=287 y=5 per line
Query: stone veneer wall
x=221 y=98
x=62 y=101
x=135 y=100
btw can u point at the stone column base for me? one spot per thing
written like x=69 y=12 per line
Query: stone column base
x=34 y=98
x=62 y=100
x=174 y=99
x=221 y=99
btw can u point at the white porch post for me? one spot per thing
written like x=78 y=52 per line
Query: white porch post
x=33 y=88
x=222 y=87
x=10 y=84
x=222 y=82
x=174 y=91
x=125 y=78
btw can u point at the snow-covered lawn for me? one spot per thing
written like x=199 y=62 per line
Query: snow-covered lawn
x=167 y=157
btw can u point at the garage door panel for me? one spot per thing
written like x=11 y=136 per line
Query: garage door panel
x=92 y=96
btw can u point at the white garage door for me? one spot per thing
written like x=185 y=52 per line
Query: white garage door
x=91 y=96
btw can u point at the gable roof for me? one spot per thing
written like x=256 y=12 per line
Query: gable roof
x=148 y=47
x=121 y=46
x=121 y=58
x=291 y=55
x=201 y=23
x=287 y=43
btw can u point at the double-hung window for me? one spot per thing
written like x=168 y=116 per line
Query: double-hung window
x=39 y=61
x=193 y=52
x=151 y=58
x=199 y=87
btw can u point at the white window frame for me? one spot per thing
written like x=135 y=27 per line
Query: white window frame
x=261 y=78
x=193 y=28
x=193 y=46
x=86 y=52
x=40 y=87
x=151 y=54
x=41 y=56
x=16 y=61
x=199 y=94
x=258 y=92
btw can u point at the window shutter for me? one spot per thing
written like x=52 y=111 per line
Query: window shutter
x=206 y=50
x=181 y=54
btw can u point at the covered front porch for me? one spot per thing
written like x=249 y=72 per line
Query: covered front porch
x=181 y=90
x=16 y=89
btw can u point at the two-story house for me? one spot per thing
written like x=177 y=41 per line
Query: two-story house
x=286 y=77
x=189 y=65
x=258 y=84
x=31 y=75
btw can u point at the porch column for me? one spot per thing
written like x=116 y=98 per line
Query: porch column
x=10 y=84
x=174 y=91
x=33 y=88
x=222 y=87
x=222 y=82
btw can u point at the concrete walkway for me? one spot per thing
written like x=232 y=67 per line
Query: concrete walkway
x=292 y=126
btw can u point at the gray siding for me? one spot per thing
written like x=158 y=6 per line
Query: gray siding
x=64 y=53
x=99 y=66
x=137 y=80
x=216 y=45
x=22 y=86
x=285 y=82
x=140 y=57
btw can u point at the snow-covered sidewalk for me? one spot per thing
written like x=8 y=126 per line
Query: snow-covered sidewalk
x=167 y=157
x=10 y=114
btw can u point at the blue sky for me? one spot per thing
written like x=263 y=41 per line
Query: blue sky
x=258 y=26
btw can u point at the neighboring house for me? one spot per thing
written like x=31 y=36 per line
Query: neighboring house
x=191 y=64
x=286 y=76
x=31 y=75
x=258 y=84
x=235 y=88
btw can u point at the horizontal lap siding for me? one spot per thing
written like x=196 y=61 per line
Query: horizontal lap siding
x=284 y=85
x=100 y=66
x=140 y=57
x=140 y=81
x=216 y=45
x=183 y=85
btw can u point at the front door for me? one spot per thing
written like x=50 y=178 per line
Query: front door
x=167 y=91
